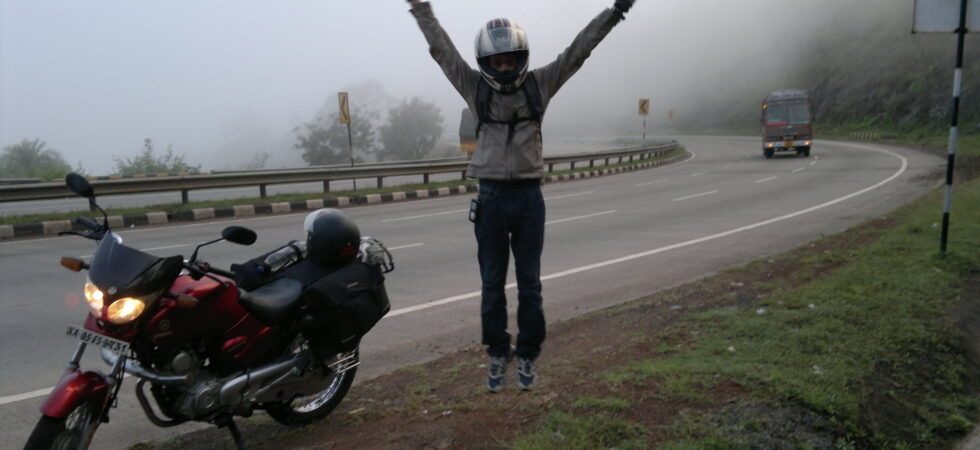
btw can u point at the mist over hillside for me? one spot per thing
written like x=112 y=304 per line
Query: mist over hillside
x=864 y=68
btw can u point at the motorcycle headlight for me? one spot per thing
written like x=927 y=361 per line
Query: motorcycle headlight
x=93 y=296
x=125 y=310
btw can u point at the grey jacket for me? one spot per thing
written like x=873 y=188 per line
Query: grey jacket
x=496 y=157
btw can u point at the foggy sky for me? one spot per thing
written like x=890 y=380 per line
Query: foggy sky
x=221 y=80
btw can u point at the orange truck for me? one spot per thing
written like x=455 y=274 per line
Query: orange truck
x=787 y=122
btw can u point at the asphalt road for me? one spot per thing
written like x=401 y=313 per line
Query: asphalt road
x=608 y=240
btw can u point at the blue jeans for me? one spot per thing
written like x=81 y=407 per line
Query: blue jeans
x=511 y=218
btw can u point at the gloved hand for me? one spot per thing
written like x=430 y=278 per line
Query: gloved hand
x=621 y=7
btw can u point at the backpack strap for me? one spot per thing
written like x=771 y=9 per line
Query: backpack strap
x=531 y=91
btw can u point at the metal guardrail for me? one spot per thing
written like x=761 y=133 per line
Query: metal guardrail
x=184 y=184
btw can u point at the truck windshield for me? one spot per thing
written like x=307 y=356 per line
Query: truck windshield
x=792 y=114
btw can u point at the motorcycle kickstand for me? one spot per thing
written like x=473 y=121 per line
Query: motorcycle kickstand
x=236 y=435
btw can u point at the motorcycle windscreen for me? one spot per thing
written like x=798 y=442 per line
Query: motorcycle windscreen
x=131 y=272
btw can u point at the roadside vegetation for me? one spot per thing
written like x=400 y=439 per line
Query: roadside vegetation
x=172 y=208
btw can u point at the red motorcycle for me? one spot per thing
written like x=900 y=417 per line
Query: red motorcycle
x=204 y=349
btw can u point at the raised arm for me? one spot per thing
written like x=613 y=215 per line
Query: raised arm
x=441 y=47
x=554 y=75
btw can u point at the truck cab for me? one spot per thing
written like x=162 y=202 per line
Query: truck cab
x=787 y=123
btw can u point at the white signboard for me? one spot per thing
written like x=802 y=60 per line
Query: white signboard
x=943 y=16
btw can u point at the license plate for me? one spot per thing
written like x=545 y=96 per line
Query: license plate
x=98 y=340
x=789 y=143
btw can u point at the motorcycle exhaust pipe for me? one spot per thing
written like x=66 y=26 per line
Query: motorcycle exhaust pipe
x=146 y=374
x=248 y=386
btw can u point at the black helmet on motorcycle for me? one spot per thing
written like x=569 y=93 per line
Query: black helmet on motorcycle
x=498 y=37
x=332 y=239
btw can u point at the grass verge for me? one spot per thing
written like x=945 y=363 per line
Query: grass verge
x=871 y=347
x=171 y=208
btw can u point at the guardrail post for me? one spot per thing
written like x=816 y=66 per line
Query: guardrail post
x=591 y=163
x=463 y=177
x=607 y=161
x=551 y=167
x=425 y=178
x=620 y=159
x=326 y=186
x=573 y=165
x=380 y=182
x=631 y=158
x=262 y=190
x=184 y=196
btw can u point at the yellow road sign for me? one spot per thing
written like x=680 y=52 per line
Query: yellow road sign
x=344 y=110
x=467 y=146
x=644 y=106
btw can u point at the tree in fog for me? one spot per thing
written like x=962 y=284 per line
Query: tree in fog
x=29 y=159
x=324 y=141
x=258 y=161
x=148 y=162
x=411 y=131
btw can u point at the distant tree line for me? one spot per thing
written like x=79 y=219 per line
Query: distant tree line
x=30 y=159
x=410 y=131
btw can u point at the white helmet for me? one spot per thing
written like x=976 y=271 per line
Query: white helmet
x=502 y=36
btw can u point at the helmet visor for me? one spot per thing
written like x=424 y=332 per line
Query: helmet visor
x=500 y=36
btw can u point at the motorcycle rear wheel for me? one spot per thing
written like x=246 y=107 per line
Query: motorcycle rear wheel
x=73 y=432
x=307 y=409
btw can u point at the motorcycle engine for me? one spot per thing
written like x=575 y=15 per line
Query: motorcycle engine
x=202 y=398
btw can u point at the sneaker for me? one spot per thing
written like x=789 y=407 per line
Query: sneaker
x=525 y=374
x=498 y=372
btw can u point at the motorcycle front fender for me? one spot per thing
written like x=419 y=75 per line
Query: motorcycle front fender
x=74 y=388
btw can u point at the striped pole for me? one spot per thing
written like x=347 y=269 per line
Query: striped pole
x=953 y=133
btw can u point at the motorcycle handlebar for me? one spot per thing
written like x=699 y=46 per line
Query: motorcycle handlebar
x=223 y=273
x=87 y=223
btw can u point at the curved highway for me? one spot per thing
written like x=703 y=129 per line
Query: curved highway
x=608 y=240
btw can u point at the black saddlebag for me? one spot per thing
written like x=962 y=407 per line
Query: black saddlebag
x=343 y=306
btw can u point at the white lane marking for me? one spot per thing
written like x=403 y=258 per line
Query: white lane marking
x=25 y=396
x=460 y=211
x=569 y=195
x=698 y=174
x=650 y=182
x=166 y=247
x=798 y=169
x=581 y=217
x=694 y=196
x=476 y=294
x=457 y=211
x=153 y=248
x=609 y=262
x=723 y=168
x=406 y=246
x=765 y=180
x=33 y=394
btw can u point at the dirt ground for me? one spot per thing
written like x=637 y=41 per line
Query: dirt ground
x=444 y=403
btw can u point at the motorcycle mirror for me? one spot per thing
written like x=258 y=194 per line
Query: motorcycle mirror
x=79 y=185
x=239 y=235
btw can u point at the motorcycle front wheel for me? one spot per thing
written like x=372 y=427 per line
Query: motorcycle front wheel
x=307 y=409
x=73 y=432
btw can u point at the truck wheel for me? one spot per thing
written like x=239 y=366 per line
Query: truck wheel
x=806 y=152
x=768 y=152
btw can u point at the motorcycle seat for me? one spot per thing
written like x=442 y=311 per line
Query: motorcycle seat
x=273 y=303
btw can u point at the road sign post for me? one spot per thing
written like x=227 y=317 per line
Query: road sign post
x=467 y=133
x=345 y=118
x=644 y=111
x=949 y=16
